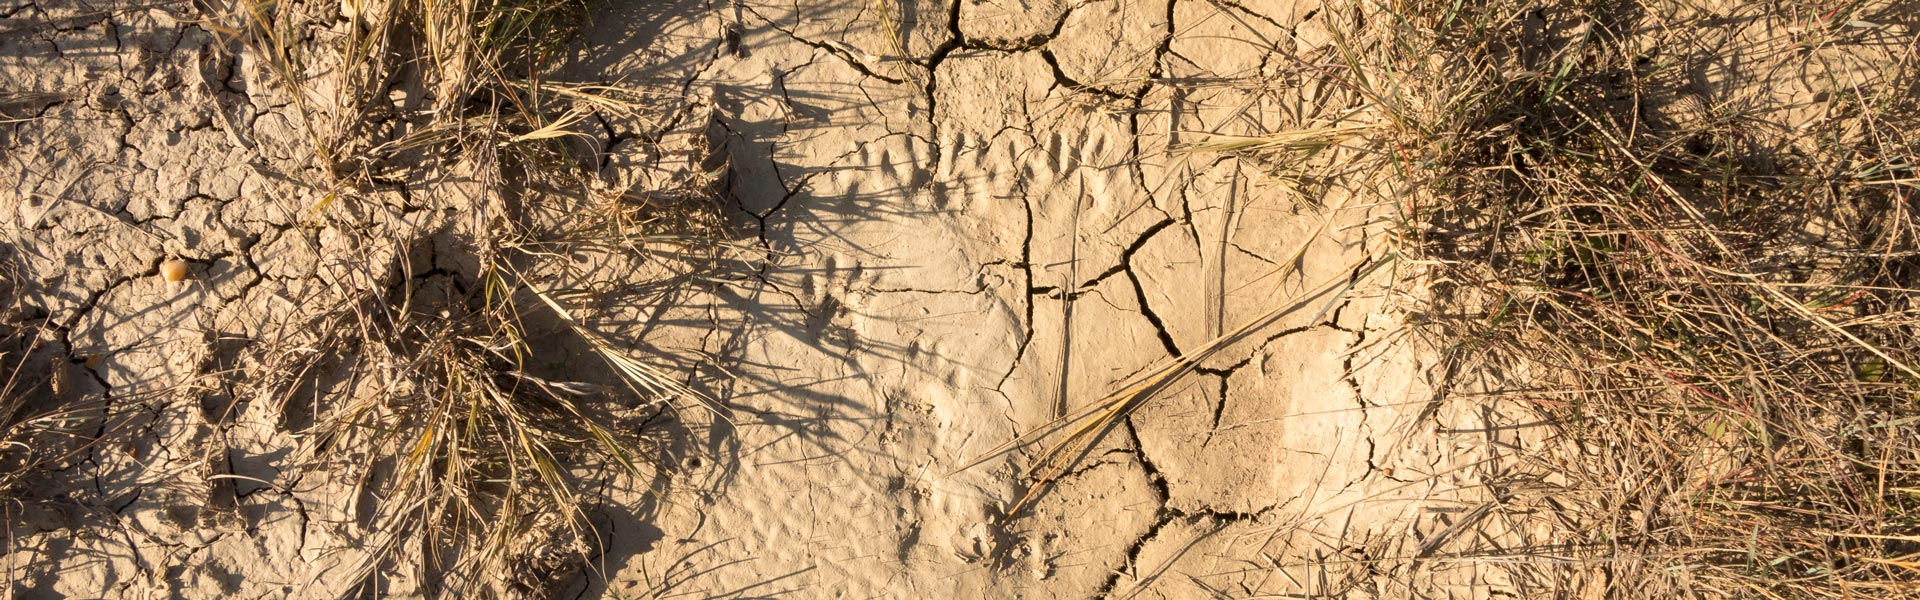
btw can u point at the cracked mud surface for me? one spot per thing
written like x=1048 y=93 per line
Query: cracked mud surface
x=969 y=224
x=981 y=220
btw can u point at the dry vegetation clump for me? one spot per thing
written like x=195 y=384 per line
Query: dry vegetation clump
x=29 y=373
x=452 y=411
x=1705 y=281
x=16 y=345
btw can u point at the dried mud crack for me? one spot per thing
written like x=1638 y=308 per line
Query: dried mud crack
x=943 y=225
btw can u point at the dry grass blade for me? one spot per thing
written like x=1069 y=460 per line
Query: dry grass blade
x=1089 y=423
x=645 y=379
x=1305 y=140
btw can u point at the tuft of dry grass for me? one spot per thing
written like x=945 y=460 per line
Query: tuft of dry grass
x=22 y=384
x=41 y=427
x=1709 y=289
x=473 y=452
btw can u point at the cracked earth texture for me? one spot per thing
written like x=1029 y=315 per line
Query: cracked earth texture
x=968 y=223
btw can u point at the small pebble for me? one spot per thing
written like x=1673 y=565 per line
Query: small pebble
x=173 y=270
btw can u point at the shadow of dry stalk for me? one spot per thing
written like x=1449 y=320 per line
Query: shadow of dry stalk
x=1708 y=285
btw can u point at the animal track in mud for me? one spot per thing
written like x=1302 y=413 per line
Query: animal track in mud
x=960 y=245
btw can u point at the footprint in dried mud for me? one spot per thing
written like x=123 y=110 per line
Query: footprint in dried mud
x=960 y=220
x=834 y=296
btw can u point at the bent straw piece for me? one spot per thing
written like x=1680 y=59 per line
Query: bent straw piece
x=1140 y=388
x=1129 y=383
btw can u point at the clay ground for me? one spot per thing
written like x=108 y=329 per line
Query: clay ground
x=964 y=219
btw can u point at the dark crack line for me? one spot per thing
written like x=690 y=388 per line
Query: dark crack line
x=1163 y=516
x=1236 y=6
x=1219 y=407
x=1063 y=80
x=837 y=49
x=1140 y=290
x=1026 y=268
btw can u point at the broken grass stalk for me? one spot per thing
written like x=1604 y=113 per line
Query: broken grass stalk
x=1101 y=415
